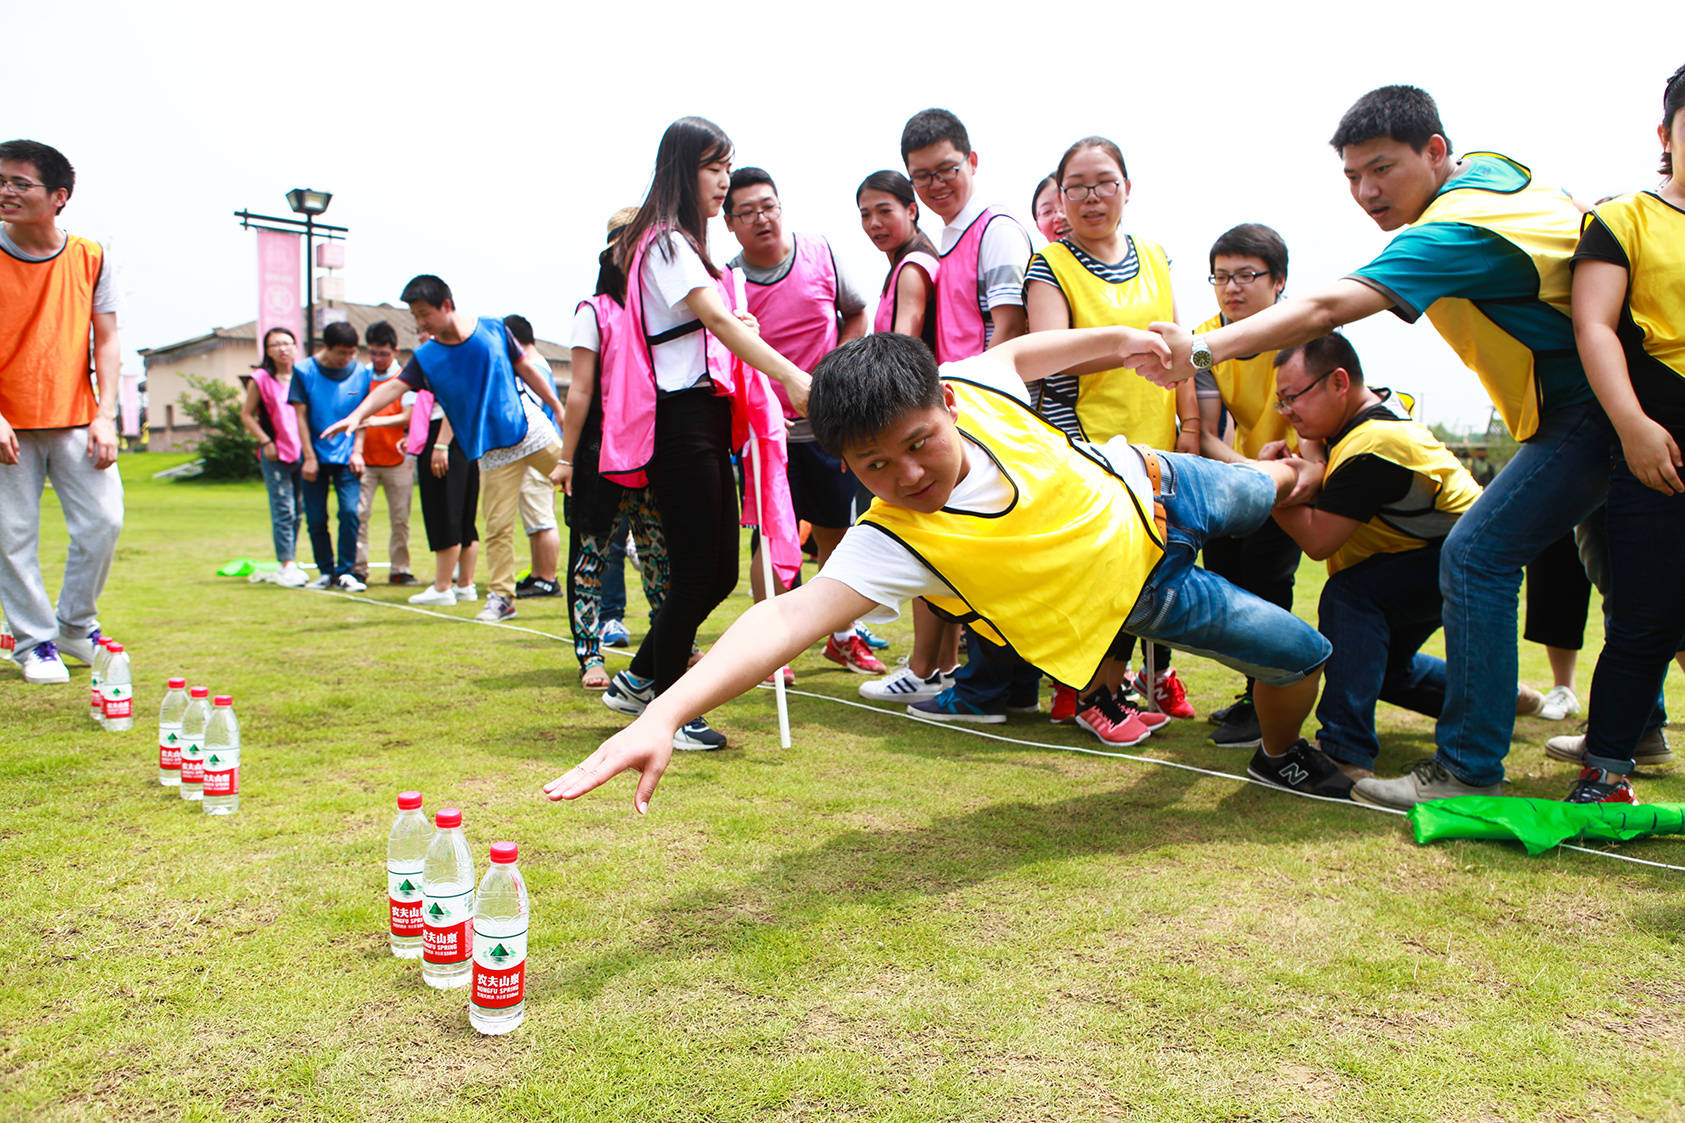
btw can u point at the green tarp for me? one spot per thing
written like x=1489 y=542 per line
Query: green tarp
x=1540 y=824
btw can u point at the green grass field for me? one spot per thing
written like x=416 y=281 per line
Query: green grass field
x=887 y=921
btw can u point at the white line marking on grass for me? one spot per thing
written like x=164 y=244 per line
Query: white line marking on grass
x=567 y=639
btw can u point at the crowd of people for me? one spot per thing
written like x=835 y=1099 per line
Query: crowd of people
x=1026 y=444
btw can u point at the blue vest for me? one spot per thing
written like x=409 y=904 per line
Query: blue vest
x=332 y=400
x=474 y=383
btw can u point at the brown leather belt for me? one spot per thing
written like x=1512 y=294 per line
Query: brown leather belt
x=1154 y=477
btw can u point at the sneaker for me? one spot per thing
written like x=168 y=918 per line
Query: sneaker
x=466 y=594
x=1302 y=768
x=629 y=694
x=402 y=579
x=1651 y=750
x=80 y=648
x=1063 y=710
x=291 y=577
x=496 y=610
x=443 y=598
x=321 y=582
x=873 y=640
x=1355 y=771
x=1427 y=779
x=903 y=684
x=539 y=587
x=1559 y=704
x=1110 y=722
x=1597 y=786
x=1169 y=695
x=361 y=574
x=1528 y=701
x=1242 y=701
x=1241 y=730
x=855 y=655
x=784 y=672
x=524 y=583
x=351 y=583
x=949 y=706
x=613 y=633
x=42 y=666
x=697 y=737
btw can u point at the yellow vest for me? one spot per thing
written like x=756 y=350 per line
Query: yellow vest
x=1056 y=574
x=1544 y=224
x=1652 y=232
x=1113 y=402
x=1442 y=491
x=1248 y=389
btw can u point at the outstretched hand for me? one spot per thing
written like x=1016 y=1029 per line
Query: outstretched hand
x=1171 y=365
x=344 y=425
x=1307 y=480
x=640 y=746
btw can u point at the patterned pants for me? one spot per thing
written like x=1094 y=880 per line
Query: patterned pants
x=587 y=558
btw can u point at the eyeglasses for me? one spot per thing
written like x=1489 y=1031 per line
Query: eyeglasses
x=1240 y=277
x=767 y=212
x=1284 y=403
x=18 y=186
x=945 y=174
x=1077 y=192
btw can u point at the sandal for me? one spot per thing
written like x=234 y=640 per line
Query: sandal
x=594 y=677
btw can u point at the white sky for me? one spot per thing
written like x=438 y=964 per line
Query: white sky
x=488 y=142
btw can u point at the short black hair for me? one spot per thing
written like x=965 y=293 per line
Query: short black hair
x=380 y=334
x=339 y=334
x=50 y=165
x=747 y=177
x=866 y=385
x=1406 y=114
x=520 y=327
x=1323 y=355
x=427 y=289
x=1253 y=239
x=933 y=126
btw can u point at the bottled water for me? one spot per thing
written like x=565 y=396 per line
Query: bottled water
x=497 y=1001
x=116 y=689
x=447 y=905
x=193 y=722
x=406 y=853
x=169 y=733
x=8 y=642
x=96 y=701
x=221 y=767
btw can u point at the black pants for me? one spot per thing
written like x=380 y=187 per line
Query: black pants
x=696 y=496
x=1558 y=596
x=448 y=502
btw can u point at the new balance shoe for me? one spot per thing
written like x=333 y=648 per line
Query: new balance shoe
x=322 y=581
x=949 y=706
x=496 y=610
x=1559 y=704
x=1241 y=730
x=291 y=576
x=442 y=598
x=351 y=583
x=1597 y=786
x=903 y=684
x=1111 y=723
x=855 y=655
x=42 y=666
x=1426 y=780
x=1063 y=710
x=695 y=736
x=629 y=694
x=466 y=594
x=1650 y=752
x=1302 y=768
x=613 y=633
x=1169 y=695
x=81 y=648
x=1222 y=716
x=873 y=640
x=538 y=587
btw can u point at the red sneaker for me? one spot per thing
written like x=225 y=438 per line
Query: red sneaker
x=1598 y=786
x=1171 y=696
x=1113 y=724
x=788 y=675
x=1152 y=719
x=855 y=655
x=1064 y=711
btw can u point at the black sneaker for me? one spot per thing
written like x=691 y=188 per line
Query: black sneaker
x=537 y=587
x=1241 y=730
x=1303 y=768
x=1242 y=701
x=696 y=736
x=524 y=584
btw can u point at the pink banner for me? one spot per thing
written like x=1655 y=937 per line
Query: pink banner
x=279 y=287
x=128 y=405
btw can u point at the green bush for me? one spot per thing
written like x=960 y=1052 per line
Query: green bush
x=227 y=450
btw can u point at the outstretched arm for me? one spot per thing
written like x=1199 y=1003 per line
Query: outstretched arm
x=707 y=306
x=379 y=398
x=1041 y=353
x=1318 y=533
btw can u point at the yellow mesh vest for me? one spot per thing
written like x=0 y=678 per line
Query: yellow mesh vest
x=1248 y=389
x=1652 y=233
x=1055 y=575
x=1445 y=490
x=1113 y=402
x=1545 y=225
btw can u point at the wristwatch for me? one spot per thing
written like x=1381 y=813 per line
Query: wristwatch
x=1200 y=356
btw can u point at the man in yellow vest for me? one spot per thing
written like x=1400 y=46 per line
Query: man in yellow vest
x=991 y=514
x=1483 y=251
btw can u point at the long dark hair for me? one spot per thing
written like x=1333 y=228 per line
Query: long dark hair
x=687 y=145
x=1673 y=100
x=898 y=185
x=611 y=279
x=267 y=363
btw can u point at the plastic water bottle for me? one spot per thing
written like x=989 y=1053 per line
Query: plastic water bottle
x=8 y=642
x=447 y=905
x=221 y=767
x=116 y=690
x=193 y=722
x=96 y=701
x=497 y=1002
x=169 y=733
x=406 y=853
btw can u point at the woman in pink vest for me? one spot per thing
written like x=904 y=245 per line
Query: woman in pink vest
x=267 y=416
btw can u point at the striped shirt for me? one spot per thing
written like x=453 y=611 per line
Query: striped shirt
x=1055 y=397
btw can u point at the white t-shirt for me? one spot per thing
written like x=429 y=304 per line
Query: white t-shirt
x=586 y=334
x=1002 y=255
x=679 y=363
x=881 y=569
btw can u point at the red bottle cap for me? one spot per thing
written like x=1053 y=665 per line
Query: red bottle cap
x=409 y=801
x=200 y=692
x=224 y=700
x=114 y=648
x=504 y=853
x=178 y=684
x=447 y=818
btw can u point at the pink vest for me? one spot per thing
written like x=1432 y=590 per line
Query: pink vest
x=421 y=420
x=798 y=314
x=885 y=318
x=281 y=415
x=960 y=330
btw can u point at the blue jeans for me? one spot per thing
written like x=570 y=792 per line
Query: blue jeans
x=348 y=491
x=1645 y=615
x=1555 y=480
x=1377 y=615
x=992 y=677
x=286 y=506
x=613 y=606
x=1191 y=610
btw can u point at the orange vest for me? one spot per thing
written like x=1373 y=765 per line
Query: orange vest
x=381 y=442
x=46 y=316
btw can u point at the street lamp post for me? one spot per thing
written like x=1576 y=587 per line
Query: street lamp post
x=309 y=203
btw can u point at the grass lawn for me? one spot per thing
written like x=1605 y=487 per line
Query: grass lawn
x=887 y=921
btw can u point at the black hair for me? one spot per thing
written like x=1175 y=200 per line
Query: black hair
x=1048 y=180
x=747 y=177
x=933 y=126
x=427 y=289
x=339 y=334
x=688 y=145
x=266 y=362
x=520 y=327
x=899 y=186
x=1253 y=239
x=1406 y=114
x=1673 y=100
x=611 y=281
x=380 y=334
x=868 y=384
x=1099 y=142
x=1323 y=355
x=50 y=165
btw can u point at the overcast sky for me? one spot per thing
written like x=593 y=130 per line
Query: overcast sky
x=488 y=142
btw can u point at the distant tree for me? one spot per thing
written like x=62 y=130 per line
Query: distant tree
x=226 y=450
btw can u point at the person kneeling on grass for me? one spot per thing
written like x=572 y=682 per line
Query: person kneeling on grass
x=992 y=515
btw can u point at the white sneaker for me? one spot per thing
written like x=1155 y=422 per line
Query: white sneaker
x=291 y=576
x=1559 y=703
x=78 y=647
x=466 y=593
x=42 y=666
x=321 y=582
x=903 y=684
x=443 y=598
x=350 y=583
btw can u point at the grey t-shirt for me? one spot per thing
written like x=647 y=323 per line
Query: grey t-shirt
x=105 y=293
x=849 y=301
